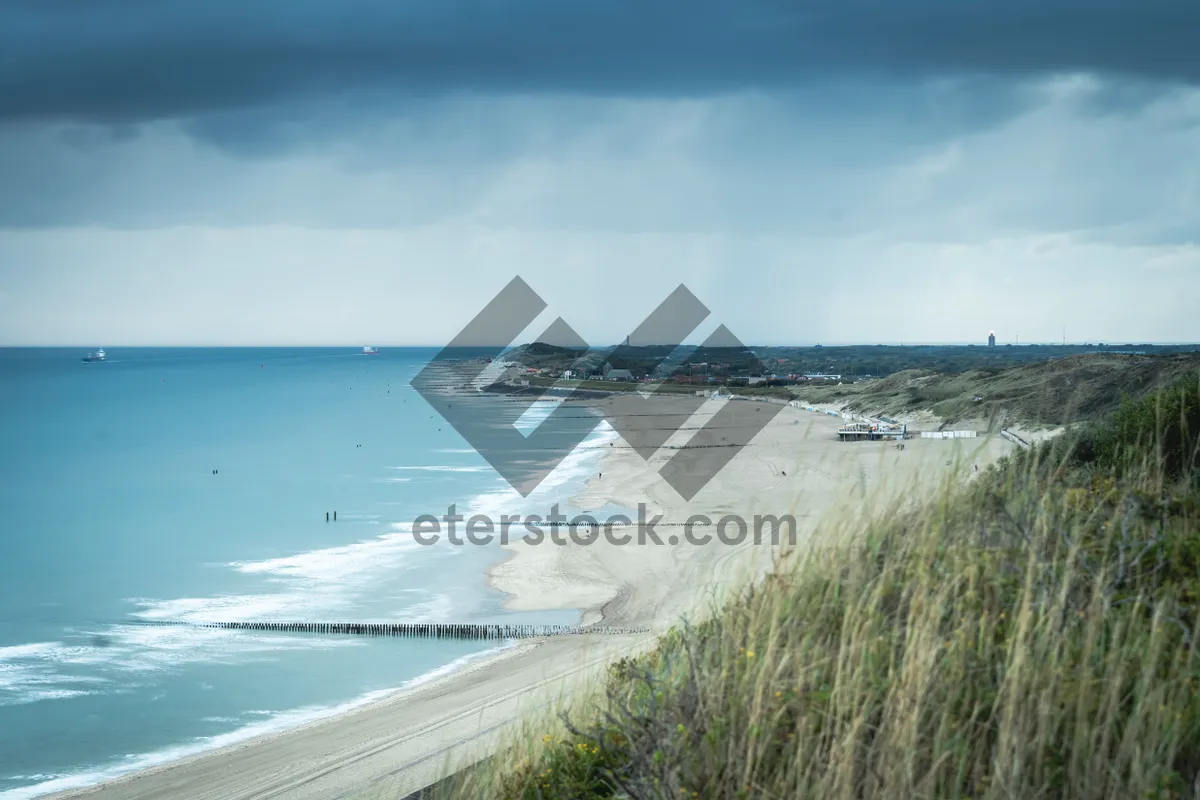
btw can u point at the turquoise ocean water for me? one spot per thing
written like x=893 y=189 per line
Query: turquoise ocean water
x=110 y=513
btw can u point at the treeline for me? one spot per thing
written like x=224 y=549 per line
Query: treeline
x=642 y=361
x=882 y=360
x=848 y=361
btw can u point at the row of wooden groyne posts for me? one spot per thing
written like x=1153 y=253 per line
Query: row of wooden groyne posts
x=430 y=630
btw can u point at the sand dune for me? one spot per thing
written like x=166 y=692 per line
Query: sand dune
x=795 y=465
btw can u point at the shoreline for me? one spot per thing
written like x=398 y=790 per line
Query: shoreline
x=361 y=747
x=795 y=465
x=385 y=697
x=114 y=775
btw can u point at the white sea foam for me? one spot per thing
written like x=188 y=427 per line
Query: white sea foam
x=57 y=671
x=334 y=582
x=33 y=672
x=34 y=695
x=537 y=413
x=570 y=473
x=334 y=564
x=270 y=722
x=315 y=584
x=24 y=650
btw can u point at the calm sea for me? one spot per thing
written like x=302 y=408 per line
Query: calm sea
x=111 y=512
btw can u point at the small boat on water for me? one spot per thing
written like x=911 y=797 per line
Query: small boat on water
x=99 y=355
x=370 y=351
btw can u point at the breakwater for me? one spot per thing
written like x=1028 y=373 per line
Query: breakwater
x=431 y=630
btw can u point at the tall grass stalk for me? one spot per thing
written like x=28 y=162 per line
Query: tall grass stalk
x=1028 y=636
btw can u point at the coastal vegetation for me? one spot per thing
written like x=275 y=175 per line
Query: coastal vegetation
x=1032 y=633
x=1080 y=387
x=1041 y=391
x=852 y=362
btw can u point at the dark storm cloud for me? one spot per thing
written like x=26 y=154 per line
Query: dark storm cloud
x=143 y=59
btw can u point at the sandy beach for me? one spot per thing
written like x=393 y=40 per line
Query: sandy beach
x=795 y=465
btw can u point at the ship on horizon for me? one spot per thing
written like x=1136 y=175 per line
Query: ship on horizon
x=370 y=351
x=99 y=355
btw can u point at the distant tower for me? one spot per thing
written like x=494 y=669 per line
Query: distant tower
x=992 y=339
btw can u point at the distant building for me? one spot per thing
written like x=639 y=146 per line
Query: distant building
x=992 y=339
x=611 y=374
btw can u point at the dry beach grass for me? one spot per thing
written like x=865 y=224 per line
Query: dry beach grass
x=1029 y=635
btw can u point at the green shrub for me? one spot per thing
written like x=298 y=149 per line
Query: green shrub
x=1159 y=433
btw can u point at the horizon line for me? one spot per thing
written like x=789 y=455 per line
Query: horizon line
x=279 y=346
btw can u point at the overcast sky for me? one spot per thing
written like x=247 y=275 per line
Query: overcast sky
x=350 y=172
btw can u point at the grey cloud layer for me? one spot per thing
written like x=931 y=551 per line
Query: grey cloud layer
x=929 y=162
x=242 y=172
x=686 y=162
x=145 y=59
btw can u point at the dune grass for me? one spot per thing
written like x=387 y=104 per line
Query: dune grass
x=1029 y=635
